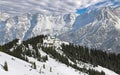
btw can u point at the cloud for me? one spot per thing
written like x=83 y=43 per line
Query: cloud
x=108 y=3
x=47 y=6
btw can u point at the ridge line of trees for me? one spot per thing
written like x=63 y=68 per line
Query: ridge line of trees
x=71 y=51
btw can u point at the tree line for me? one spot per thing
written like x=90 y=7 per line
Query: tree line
x=71 y=51
x=93 y=56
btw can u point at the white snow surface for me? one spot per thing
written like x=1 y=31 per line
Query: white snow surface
x=97 y=68
x=107 y=72
x=20 y=67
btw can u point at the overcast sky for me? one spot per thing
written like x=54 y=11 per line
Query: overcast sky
x=53 y=6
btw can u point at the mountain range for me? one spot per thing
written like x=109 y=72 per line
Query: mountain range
x=99 y=28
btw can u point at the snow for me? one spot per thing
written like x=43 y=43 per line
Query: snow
x=96 y=29
x=52 y=41
x=30 y=25
x=30 y=47
x=98 y=68
x=107 y=71
x=80 y=63
x=15 y=66
x=4 y=16
x=20 y=67
x=118 y=24
x=19 y=42
x=91 y=29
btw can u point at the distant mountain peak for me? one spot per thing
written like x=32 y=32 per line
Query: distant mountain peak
x=95 y=28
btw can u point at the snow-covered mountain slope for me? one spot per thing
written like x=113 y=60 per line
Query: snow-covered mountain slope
x=20 y=67
x=29 y=25
x=50 y=67
x=99 y=28
x=17 y=66
x=96 y=29
x=117 y=11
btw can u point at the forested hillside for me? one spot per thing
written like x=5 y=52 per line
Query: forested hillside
x=68 y=54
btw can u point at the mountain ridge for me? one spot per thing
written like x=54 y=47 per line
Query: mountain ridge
x=46 y=50
x=101 y=27
x=101 y=23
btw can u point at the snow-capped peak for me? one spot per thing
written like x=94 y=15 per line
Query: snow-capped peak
x=4 y=16
x=97 y=29
x=100 y=23
x=30 y=25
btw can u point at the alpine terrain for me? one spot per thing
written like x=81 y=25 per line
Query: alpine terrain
x=98 y=28
x=59 y=37
x=46 y=55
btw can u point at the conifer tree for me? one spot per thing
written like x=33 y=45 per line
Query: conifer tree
x=5 y=66
x=50 y=69
x=44 y=66
x=34 y=65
